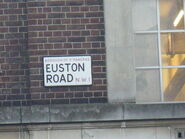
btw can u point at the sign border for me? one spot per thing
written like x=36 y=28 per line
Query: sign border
x=67 y=85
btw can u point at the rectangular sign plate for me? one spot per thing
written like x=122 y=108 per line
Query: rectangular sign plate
x=67 y=71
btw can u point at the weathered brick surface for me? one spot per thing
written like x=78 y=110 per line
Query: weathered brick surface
x=14 y=76
x=31 y=29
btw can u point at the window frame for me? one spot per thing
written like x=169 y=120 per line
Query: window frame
x=160 y=67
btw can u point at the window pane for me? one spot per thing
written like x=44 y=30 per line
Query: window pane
x=169 y=11
x=146 y=50
x=173 y=49
x=173 y=84
x=147 y=86
x=144 y=15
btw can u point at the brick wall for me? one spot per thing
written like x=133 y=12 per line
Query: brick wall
x=32 y=29
x=14 y=75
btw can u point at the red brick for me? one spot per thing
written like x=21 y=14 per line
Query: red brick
x=50 y=95
x=75 y=15
x=15 y=97
x=66 y=21
x=57 y=33
x=74 y=3
x=98 y=100
x=36 y=4
x=40 y=102
x=56 y=27
x=75 y=21
x=46 y=10
x=55 y=3
x=65 y=9
x=36 y=16
x=67 y=33
x=32 y=10
x=94 y=14
x=93 y=39
x=85 y=20
x=3 y=18
x=56 y=15
x=79 y=101
x=47 y=21
x=47 y=34
x=95 y=26
x=35 y=96
x=3 y=5
x=22 y=5
x=98 y=94
x=2 y=97
x=36 y=90
x=3 y=29
x=75 y=9
x=48 y=46
x=76 y=39
x=94 y=8
x=75 y=27
x=56 y=39
x=86 y=45
x=38 y=40
x=95 y=20
x=35 y=65
x=13 y=11
x=59 y=95
x=57 y=21
x=77 y=52
x=60 y=101
x=95 y=33
x=40 y=52
x=67 y=45
x=57 y=52
x=99 y=75
x=94 y=2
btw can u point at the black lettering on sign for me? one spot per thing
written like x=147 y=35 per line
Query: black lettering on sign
x=61 y=68
x=48 y=68
x=54 y=67
x=62 y=78
x=67 y=64
x=81 y=67
x=49 y=78
x=69 y=78
x=55 y=78
x=74 y=67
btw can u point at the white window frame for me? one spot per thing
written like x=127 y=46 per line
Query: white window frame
x=161 y=67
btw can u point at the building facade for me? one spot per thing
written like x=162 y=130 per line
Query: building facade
x=135 y=85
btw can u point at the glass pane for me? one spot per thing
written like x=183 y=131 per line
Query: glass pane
x=173 y=84
x=146 y=50
x=173 y=49
x=171 y=14
x=148 y=86
x=144 y=15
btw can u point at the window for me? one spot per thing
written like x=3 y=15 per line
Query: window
x=159 y=37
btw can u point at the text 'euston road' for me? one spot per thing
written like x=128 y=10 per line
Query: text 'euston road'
x=60 y=68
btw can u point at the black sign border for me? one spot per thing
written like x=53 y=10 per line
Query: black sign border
x=67 y=85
